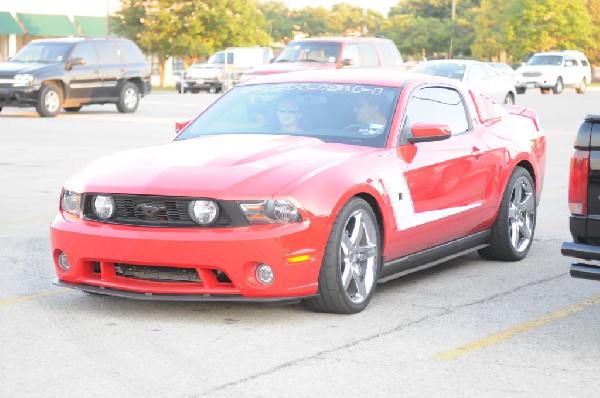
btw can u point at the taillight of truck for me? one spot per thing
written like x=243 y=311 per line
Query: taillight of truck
x=578 y=182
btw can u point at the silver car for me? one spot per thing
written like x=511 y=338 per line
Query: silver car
x=478 y=76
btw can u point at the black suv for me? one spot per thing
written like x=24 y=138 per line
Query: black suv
x=70 y=72
x=584 y=201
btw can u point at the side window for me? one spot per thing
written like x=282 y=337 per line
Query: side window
x=439 y=105
x=368 y=54
x=87 y=51
x=570 y=62
x=351 y=52
x=390 y=54
x=476 y=72
x=108 y=52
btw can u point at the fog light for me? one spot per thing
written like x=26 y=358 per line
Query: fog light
x=63 y=261
x=264 y=274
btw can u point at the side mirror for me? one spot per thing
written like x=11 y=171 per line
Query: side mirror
x=347 y=62
x=428 y=132
x=181 y=125
x=74 y=62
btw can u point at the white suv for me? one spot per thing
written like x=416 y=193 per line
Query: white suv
x=554 y=70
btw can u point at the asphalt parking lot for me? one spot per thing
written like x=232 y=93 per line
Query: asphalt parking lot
x=465 y=328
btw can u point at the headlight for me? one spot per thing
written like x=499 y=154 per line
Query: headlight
x=23 y=80
x=70 y=202
x=104 y=206
x=270 y=211
x=204 y=212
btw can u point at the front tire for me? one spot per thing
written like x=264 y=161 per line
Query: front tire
x=351 y=263
x=521 y=90
x=50 y=100
x=512 y=232
x=559 y=86
x=129 y=99
x=509 y=99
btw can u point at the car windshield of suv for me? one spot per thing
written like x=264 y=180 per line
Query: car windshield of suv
x=552 y=60
x=353 y=114
x=43 y=52
x=219 y=58
x=321 y=52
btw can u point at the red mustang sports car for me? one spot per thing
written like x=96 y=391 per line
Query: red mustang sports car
x=310 y=186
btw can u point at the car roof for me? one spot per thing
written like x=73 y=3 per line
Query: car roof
x=451 y=61
x=385 y=78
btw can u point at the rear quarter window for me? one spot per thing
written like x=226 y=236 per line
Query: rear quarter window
x=390 y=55
x=130 y=52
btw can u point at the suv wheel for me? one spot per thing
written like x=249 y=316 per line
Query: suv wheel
x=129 y=98
x=558 y=87
x=582 y=87
x=50 y=100
x=521 y=90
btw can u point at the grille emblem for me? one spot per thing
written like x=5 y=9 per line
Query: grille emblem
x=150 y=210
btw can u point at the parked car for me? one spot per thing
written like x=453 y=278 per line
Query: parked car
x=306 y=186
x=476 y=75
x=555 y=70
x=584 y=202
x=333 y=53
x=223 y=69
x=52 y=74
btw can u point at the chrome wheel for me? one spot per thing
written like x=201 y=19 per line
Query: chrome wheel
x=351 y=262
x=521 y=214
x=130 y=98
x=359 y=256
x=52 y=101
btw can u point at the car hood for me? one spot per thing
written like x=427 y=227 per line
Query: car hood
x=7 y=68
x=282 y=67
x=221 y=166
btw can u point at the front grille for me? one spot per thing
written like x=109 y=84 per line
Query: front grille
x=162 y=274
x=532 y=74
x=155 y=211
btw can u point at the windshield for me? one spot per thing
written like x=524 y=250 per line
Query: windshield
x=43 y=52
x=555 y=60
x=451 y=70
x=350 y=114
x=219 y=58
x=322 y=52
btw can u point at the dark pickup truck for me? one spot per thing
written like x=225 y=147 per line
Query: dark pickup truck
x=584 y=201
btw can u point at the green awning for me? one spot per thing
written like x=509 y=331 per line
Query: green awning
x=92 y=26
x=47 y=25
x=8 y=25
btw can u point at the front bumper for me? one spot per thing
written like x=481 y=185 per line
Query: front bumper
x=582 y=251
x=225 y=260
x=537 y=82
x=19 y=96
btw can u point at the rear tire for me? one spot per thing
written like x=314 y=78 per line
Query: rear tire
x=351 y=263
x=512 y=232
x=582 y=87
x=49 y=101
x=129 y=99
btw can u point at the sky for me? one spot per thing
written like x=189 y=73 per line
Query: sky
x=383 y=6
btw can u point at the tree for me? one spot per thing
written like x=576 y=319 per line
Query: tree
x=194 y=28
x=278 y=20
x=490 y=29
x=543 y=25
